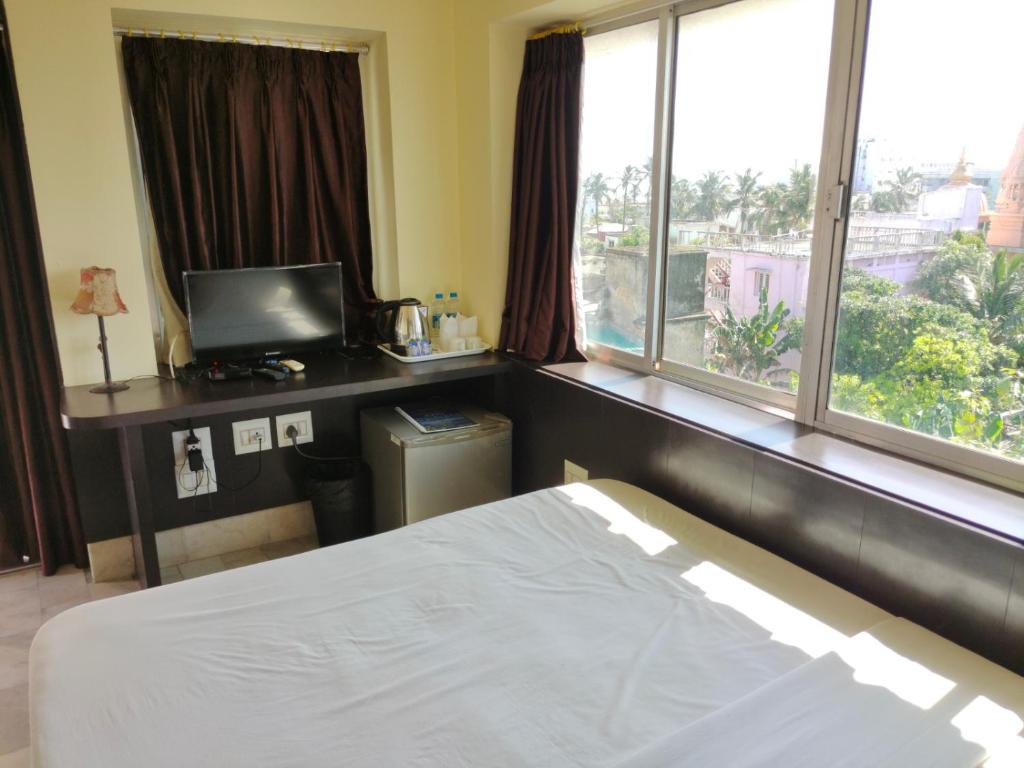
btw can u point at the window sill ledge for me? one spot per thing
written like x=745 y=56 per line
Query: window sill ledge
x=994 y=510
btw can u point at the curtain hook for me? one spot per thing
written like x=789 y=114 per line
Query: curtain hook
x=145 y=32
x=129 y=31
x=163 y=34
x=181 y=35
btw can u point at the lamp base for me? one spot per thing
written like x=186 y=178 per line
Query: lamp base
x=107 y=389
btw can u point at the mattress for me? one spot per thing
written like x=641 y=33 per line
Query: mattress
x=587 y=625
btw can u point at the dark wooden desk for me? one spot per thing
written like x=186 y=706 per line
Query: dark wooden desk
x=154 y=401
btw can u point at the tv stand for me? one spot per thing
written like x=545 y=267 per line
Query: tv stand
x=155 y=401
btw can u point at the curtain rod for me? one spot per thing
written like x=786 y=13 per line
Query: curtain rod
x=561 y=29
x=303 y=43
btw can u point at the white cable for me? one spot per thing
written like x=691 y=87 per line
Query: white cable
x=170 y=353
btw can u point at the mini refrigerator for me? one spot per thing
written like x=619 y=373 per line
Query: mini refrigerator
x=417 y=476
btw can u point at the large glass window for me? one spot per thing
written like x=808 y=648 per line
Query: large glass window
x=750 y=87
x=616 y=157
x=930 y=333
x=718 y=142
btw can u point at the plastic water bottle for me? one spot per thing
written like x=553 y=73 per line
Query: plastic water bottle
x=452 y=306
x=436 y=310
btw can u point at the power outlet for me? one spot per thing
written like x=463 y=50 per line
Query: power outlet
x=252 y=436
x=303 y=422
x=187 y=482
x=574 y=473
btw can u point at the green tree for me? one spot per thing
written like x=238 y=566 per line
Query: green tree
x=903 y=189
x=596 y=188
x=626 y=185
x=770 y=214
x=749 y=348
x=967 y=275
x=683 y=198
x=712 y=196
x=924 y=365
x=799 y=198
x=745 y=195
x=877 y=327
x=946 y=277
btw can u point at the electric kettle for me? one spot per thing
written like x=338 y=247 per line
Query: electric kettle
x=400 y=322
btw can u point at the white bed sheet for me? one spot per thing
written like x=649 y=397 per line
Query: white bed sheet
x=571 y=627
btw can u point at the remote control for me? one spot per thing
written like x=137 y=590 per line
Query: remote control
x=270 y=373
x=293 y=365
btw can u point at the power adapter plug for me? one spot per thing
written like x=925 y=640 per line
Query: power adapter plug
x=194 y=452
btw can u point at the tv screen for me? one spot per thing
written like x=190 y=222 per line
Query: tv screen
x=243 y=314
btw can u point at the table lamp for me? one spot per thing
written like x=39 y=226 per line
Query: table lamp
x=97 y=295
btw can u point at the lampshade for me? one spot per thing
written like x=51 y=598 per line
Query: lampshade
x=97 y=293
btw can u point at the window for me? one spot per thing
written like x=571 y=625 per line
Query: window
x=746 y=141
x=614 y=214
x=762 y=282
x=931 y=342
x=818 y=206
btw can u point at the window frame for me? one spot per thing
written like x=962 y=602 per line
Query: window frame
x=809 y=406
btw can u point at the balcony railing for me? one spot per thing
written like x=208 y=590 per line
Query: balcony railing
x=860 y=240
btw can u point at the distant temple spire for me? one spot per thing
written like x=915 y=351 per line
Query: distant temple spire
x=960 y=174
x=1007 y=230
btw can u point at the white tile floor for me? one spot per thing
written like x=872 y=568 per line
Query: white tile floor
x=28 y=599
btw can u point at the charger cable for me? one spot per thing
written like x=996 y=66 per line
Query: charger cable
x=292 y=432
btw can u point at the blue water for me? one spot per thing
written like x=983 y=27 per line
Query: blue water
x=613 y=338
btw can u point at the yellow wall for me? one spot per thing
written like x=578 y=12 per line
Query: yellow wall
x=443 y=76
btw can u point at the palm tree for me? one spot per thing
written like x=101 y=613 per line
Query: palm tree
x=999 y=295
x=683 y=198
x=902 y=191
x=770 y=213
x=596 y=188
x=648 y=174
x=625 y=182
x=799 y=205
x=642 y=175
x=744 y=195
x=712 y=195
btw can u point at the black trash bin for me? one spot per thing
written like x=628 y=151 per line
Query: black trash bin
x=340 y=494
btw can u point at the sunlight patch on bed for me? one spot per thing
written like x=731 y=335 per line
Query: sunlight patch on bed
x=876 y=664
x=621 y=521
x=787 y=625
x=995 y=728
x=872 y=662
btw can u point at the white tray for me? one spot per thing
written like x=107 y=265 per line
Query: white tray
x=433 y=355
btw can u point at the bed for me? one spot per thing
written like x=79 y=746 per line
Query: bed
x=588 y=625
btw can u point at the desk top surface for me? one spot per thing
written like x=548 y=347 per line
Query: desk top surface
x=153 y=400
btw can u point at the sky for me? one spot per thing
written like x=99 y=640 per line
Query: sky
x=752 y=77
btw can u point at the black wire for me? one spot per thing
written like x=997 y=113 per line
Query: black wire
x=181 y=470
x=311 y=457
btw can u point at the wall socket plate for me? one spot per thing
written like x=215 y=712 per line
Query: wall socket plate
x=187 y=482
x=574 y=473
x=303 y=422
x=251 y=435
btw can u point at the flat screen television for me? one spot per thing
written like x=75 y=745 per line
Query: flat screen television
x=245 y=314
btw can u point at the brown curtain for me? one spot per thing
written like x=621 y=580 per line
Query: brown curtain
x=539 y=320
x=38 y=513
x=253 y=156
